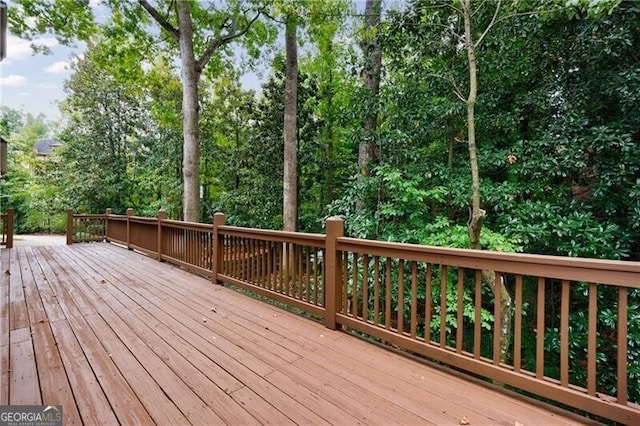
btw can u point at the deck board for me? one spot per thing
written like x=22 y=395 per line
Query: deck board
x=5 y=262
x=119 y=338
x=23 y=375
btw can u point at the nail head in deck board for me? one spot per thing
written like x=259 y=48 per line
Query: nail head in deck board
x=24 y=388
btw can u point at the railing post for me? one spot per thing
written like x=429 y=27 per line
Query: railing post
x=11 y=214
x=106 y=224
x=218 y=248
x=332 y=271
x=162 y=215
x=69 y=227
x=130 y=212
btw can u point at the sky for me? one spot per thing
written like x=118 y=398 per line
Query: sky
x=35 y=83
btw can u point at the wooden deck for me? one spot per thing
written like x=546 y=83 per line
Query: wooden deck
x=118 y=338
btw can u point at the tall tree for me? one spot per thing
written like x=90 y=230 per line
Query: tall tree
x=233 y=27
x=372 y=51
x=290 y=184
x=477 y=214
x=103 y=139
x=326 y=21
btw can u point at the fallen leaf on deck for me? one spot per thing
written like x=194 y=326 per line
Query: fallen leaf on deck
x=7 y=272
x=464 y=421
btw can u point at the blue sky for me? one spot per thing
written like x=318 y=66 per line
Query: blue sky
x=34 y=83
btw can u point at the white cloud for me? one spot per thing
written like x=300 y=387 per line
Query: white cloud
x=58 y=68
x=19 y=49
x=13 y=80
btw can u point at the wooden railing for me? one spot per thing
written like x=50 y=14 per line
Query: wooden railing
x=6 y=228
x=567 y=328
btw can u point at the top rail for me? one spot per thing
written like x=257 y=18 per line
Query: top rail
x=314 y=240
x=615 y=272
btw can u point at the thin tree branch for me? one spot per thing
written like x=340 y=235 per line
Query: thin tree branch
x=160 y=20
x=491 y=24
x=456 y=89
x=215 y=43
x=518 y=14
x=479 y=7
x=273 y=18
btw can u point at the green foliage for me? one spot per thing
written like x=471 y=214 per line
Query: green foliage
x=32 y=185
x=69 y=20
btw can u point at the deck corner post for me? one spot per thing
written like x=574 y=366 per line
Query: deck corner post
x=332 y=277
x=162 y=215
x=11 y=216
x=130 y=212
x=218 y=248
x=107 y=212
x=69 y=227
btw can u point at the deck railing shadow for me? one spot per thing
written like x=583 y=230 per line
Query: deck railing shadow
x=568 y=337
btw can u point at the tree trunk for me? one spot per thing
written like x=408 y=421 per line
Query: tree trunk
x=451 y=124
x=372 y=52
x=290 y=186
x=501 y=293
x=190 y=113
x=477 y=214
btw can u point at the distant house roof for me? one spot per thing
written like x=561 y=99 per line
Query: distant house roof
x=45 y=146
